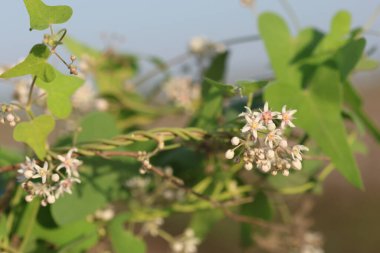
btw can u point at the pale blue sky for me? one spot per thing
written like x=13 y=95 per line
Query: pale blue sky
x=163 y=27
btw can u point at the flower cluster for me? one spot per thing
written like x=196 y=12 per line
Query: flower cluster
x=49 y=182
x=201 y=46
x=7 y=115
x=263 y=145
x=186 y=243
x=182 y=92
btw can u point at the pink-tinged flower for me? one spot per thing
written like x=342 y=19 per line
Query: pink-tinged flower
x=26 y=170
x=249 y=113
x=274 y=137
x=42 y=172
x=297 y=151
x=70 y=163
x=253 y=125
x=267 y=115
x=66 y=186
x=286 y=117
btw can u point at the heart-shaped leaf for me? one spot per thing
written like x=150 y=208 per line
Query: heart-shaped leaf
x=42 y=15
x=59 y=93
x=34 y=64
x=34 y=133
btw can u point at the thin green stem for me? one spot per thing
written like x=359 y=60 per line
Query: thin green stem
x=31 y=221
x=325 y=172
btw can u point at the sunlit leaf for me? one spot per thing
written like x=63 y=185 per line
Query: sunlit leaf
x=319 y=114
x=35 y=133
x=34 y=64
x=42 y=15
x=59 y=93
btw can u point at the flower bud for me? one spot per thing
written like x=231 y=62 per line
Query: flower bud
x=248 y=166
x=285 y=173
x=230 y=154
x=29 y=198
x=235 y=141
x=73 y=58
x=10 y=117
x=297 y=164
x=271 y=126
x=283 y=144
x=55 y=177
x=43 y=203
x=28 y=173
x=270 y=154
x=51 y=199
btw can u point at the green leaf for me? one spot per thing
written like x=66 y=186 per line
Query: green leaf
x=212 y=96
x=59 y=93
x=87 y=198
x=352 y=98
x=35 y=133
x=3 y=227
x=97 y=125
x=280 y=46
x=349 y=55
x=34 y=64
x=42 y=15
x=340 y=24
x=250 y=87
x=203 y=221
x=121 y=240
x=319 y=114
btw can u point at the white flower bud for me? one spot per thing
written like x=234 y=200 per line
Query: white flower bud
x=271 y=126
x=10 y=117
x=265 y=168
x=51 y=199
x=285 y=173
x=28 y=173
x=2 y=120
x=29 y=198
x=235 y=141
x=248 y=166
x=283 y=143
x=43 y=203
x=12 y=123
x=230 y=154
x=274 y=173
x=270 y=154
x=297 y=164
x=55 y=177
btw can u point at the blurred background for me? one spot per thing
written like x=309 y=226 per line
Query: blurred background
x=348 y=218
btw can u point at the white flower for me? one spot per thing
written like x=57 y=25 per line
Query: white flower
x=267 y=115
x=105 y=214
x=188 y=243
x=65 y=186
x=42 y=172
x=70 y=163
x=273 y=138
x=297 y=151
x=286 y=117
x=253 y=125
x=152 y=227
x=27 y=170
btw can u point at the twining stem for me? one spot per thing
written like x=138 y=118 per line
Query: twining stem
x=325 y=172
x=28 y=104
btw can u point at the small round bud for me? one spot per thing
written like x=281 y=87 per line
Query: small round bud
x=270 y=154
x=29 y=198
x=73 y=58
x=297 y=164
x=12 y=123
x=28 y=173
x=271 y=126
x=2 y=120
x=248 y=166
x=73 y=70
x=55 y=177
x=285 y=173
x=265 y=168
x=274 y=173
x=235 y=141
x=283 y=144
x=43 y=203
x=230 y=154
x=51 y=199
x=10 y=117
x=142 y=171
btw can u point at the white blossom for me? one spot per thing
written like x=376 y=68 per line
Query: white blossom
x=42 y=172
x=70 y=163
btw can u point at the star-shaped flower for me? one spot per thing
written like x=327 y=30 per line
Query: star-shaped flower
x=286 y=117
x=42 y=172
x=70 y=163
